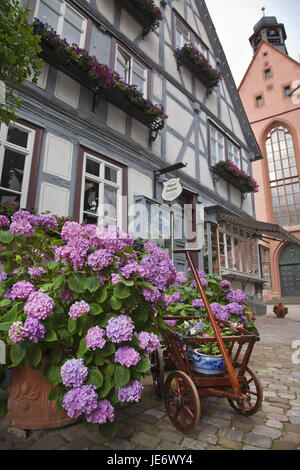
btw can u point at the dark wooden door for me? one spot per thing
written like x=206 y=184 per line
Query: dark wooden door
x=289 y=268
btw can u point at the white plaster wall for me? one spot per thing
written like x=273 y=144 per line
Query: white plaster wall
x=178 y=94
x=205 y=174
x=55 y=199
x=178 y=119
x=157 y=86
x=107 y=9
x=235 y=196
x=138 y=185
x=116 y=118
x=222 y=189
x=151 y=47
x=58 y=157
x=67 y=89
x=140 y=133
x=129 y=26
x=173 y=146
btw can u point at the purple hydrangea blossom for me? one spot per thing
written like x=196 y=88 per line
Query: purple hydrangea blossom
x=95 y=338
x=80 y=400
x=46 y=221
x=22 y=227
x=131 y=392
x=225 y=283
x=133 y=268
x=238 y=296
x=72 y=231
x=22 y=290
x=3 y=276
x=120 y=329
x=35 y=331
x=102 y=413
x=152 y=295
x=39 y=305
x=127 y=356
x=220 y=311
x=198 y=303
x=75 y=252
x=17 y=333
x=148 y=341
x=22 y=215
x=79 y=308
x=171 y=323
x=112 y=239
x=74 y=373
x=176 y=297
x=180 y=278
x=160 y=269
x=235 y=308
x=100 y=259
x=4 y=221
x=36 y=272
x=115 y=278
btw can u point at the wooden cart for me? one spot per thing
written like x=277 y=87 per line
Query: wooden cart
x=184 y=386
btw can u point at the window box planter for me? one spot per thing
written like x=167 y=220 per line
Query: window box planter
x=233 y=175
x=99 y=78
x=189 y=56
x=145 y=12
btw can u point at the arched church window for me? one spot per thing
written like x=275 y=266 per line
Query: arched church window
x=283 y=176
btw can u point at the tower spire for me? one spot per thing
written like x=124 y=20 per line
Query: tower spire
x=263 y=10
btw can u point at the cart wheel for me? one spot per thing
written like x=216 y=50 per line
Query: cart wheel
x=157 y=371
x=253 y=391
x=182 y=401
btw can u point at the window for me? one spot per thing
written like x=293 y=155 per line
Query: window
x=65 y=20
x=259 y=101
x=185 y=35
x=268 y=73
x=221 y=148
x=217 y=146
x=266 y=266
x=237 y=250
x=287 y=90
x=132 y=71
x=283 y=175
x=16 y=148
x=101 y=202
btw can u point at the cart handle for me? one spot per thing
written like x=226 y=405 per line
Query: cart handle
x=219 y=338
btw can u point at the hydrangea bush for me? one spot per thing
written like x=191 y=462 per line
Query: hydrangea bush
x=227 y=304
x=79 y=296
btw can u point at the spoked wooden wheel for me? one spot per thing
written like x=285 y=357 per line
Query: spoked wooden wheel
x=157 y=371
x=254 y=394
x=182 y=401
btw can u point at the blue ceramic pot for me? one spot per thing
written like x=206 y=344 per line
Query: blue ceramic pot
x=206 y=364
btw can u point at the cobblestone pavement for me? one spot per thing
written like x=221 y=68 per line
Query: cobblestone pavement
x=147 y=426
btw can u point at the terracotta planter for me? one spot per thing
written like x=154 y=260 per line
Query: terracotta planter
x=28 y=405
x=280 y=311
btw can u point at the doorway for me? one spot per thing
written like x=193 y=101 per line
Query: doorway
x=289 y=268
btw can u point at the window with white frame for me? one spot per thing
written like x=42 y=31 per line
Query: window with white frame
x=64 y=19
x=238 y=250
x=131 y=70
x=217 y=146
x=230 y=248
x=101 y=192
x=184 y=35
x=222 y=148
x=16 y=147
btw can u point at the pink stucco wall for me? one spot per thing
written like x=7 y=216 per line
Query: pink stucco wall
x=277 y=108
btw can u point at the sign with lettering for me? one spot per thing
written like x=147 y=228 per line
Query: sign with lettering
x=172 y=189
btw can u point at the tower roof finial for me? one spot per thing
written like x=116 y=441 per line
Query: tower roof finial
x=263 y=10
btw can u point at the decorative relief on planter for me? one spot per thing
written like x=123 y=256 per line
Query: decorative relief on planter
x=28 y=404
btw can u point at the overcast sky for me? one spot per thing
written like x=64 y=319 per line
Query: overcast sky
x=234 y=21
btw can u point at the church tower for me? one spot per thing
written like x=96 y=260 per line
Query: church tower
x=270 y=30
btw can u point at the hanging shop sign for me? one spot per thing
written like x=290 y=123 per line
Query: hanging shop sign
x=172 y=189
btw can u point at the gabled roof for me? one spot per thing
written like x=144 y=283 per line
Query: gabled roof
x=228 y=79
x=274 y=48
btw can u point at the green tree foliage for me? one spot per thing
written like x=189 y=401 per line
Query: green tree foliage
x=18 y=53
